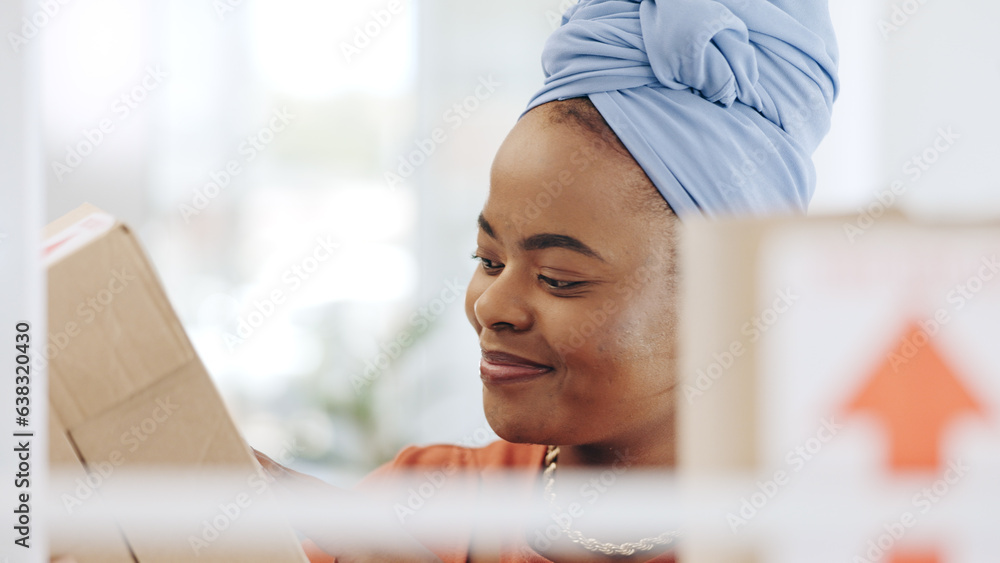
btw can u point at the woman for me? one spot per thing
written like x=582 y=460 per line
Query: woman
x=652 y=111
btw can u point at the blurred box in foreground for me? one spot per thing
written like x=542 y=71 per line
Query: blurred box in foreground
x=131 y=398
x=845 y=370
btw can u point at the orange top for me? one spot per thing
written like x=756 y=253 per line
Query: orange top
x=456 y=470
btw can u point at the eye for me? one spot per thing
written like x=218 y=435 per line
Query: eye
x=558 y=284
x=488 y=265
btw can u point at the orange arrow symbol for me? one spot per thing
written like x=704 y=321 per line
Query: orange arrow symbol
x=917 y=395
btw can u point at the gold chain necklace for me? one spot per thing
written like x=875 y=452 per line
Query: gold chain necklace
x=591 y=544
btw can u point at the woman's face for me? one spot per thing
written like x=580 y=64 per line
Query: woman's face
x=573 y=299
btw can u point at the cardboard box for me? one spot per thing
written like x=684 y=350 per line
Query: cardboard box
x=131 y=397
x=82 y=504
x=832 y=358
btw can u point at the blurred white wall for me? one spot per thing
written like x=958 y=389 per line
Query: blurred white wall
x=913 y=74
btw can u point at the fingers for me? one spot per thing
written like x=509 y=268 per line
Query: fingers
x=285 y=475
x=62 y=559
x=294 y=485
x=276 y=470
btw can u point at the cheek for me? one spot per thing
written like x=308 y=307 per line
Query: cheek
x=645 y=332
x=589 y=339
x=625 y=334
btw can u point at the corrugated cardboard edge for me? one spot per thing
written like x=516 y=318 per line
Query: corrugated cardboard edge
x=64 y=457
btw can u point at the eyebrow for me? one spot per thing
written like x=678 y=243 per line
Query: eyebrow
x=546 y=240
x=485 y=226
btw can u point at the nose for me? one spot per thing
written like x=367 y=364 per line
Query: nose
x=503 y=305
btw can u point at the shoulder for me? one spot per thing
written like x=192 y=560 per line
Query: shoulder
x=420 y=461
x=498 y=454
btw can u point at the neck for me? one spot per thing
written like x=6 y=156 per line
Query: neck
x=653 y=446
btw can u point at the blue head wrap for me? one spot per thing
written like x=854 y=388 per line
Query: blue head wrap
x=721 y=102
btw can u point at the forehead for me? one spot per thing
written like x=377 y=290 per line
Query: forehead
x=560 y=178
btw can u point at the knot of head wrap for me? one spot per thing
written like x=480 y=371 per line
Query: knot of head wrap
x=721 y=102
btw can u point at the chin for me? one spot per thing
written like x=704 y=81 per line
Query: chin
x=514 y=435
x=513 y=426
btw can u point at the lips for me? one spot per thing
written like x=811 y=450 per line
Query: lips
x=500 y=367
